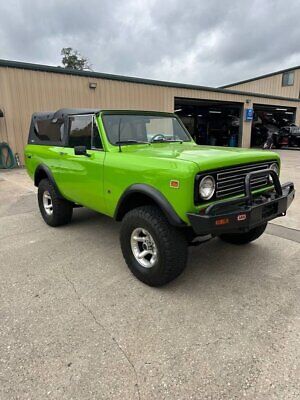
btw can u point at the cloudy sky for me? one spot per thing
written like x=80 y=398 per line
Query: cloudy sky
x=206 y=42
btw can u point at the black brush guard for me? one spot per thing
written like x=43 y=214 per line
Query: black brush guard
x=243 y=214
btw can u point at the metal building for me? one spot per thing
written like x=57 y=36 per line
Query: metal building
x=26 y=88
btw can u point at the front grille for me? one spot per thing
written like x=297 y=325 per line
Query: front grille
x=231 y=181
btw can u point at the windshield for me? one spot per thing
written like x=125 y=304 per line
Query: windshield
x=131 y=129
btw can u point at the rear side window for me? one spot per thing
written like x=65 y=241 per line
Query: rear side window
x=49 y=131
x=83 y=131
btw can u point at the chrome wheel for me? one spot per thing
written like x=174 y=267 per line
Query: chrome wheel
x=47 y=203
x=143 y=248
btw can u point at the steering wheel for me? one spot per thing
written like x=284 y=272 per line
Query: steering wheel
x=157 y=137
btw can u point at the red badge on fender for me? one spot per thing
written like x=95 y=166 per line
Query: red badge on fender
x=241 y=217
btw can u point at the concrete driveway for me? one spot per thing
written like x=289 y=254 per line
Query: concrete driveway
x=75 y=324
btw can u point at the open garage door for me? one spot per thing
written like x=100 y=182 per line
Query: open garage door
x=215 y=123
x=268 y=119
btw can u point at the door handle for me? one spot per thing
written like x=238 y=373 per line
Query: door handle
x=62 y=153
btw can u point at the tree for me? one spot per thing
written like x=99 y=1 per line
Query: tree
x=72 y=59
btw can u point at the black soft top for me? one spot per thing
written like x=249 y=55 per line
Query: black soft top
x=48 y=127
x=61 y=113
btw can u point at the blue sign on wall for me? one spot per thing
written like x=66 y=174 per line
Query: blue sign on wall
x=249 y=114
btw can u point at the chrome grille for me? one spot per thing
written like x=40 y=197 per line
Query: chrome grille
x=231 y=182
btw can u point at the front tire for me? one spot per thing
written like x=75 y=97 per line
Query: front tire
x=244 y=238
x=54 y=210
x=154 y=251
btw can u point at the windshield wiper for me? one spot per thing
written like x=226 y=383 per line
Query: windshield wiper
x=167 y=141
x=131 y=142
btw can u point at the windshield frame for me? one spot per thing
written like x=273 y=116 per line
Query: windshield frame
x=144 y=113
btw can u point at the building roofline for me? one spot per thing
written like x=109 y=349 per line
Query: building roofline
x=121 y=78
x=256 y=78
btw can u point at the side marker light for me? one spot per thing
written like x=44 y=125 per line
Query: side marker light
x=174 y=184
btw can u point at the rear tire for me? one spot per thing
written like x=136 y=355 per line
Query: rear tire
x=55 y=210
x=146 y=228
x=244 y=238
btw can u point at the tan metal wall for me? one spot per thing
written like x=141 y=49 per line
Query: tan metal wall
x=23 y=92
x=271 y=85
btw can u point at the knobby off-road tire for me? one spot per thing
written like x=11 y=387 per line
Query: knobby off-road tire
x=244 y=238
x=148 y=224
x=55 y=210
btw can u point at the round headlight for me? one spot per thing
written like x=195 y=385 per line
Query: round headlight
x=207 y=187
x=274 y=167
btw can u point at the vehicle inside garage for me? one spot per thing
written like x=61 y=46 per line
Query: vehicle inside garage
x=214 y=123
x=268 y=119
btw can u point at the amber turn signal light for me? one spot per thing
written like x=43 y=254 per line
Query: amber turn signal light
x=222 y=221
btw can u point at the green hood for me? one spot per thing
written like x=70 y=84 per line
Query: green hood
x=206 y=157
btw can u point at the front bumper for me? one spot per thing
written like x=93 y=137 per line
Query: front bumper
x=243 y=214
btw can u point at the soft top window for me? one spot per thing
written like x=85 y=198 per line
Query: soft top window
x=49 y=130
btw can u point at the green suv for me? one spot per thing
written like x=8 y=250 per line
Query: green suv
x=144 y=169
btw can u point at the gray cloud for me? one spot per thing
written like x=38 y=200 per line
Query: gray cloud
x=208 y=43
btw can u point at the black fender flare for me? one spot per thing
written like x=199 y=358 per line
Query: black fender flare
x=157 y=197
x=42 y=168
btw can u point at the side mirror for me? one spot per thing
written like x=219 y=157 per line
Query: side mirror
x=81 y=151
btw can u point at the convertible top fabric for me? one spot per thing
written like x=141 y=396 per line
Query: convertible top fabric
x=63 y=112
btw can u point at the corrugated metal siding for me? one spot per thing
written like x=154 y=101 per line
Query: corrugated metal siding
x=23 y=92
x=271 y=85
